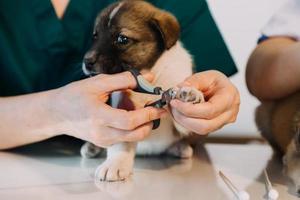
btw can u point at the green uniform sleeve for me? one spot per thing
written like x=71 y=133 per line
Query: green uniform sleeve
x=200 y=35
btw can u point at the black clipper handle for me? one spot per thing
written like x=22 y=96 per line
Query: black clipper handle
x=143 y=86
x=156 y=122
x=156 y=104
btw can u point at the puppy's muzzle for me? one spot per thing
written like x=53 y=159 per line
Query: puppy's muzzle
x=89 y=60
x=95 y=63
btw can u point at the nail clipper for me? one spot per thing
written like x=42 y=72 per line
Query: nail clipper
x=143 y=86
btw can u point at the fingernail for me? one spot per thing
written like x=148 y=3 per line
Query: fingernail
x=149 y=76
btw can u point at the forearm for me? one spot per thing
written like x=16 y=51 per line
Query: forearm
x=273 y=69
x=26 y=119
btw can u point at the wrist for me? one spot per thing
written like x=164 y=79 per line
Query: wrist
x=27 y=119
x=54 y=112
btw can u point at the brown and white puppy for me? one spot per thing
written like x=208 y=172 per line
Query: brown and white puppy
x=137 y=34
x=279 y=123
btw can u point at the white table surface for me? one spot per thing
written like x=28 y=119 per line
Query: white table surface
x=56 y=172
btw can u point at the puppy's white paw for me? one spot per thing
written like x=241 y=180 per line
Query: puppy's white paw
x=117 y=168
x=89 y=150
x=181 y=150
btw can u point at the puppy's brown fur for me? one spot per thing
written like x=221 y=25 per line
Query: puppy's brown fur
x=279 y=123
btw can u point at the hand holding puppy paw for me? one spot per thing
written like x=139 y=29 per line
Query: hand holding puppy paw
x=81 y=109
x=221 y=106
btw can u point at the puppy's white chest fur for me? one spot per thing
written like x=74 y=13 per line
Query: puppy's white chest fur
x=173 y=67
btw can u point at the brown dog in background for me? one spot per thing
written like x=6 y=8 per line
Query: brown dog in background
x=279 y=123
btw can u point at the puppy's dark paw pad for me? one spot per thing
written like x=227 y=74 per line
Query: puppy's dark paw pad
x=190 y=94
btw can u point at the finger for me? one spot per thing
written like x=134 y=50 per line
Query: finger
x=203 y=126
x=212 y=108
x=130 y=120
x=185 y=84
x=110 y=83
x=112 y=136
x=138 y=134
x=204 y=80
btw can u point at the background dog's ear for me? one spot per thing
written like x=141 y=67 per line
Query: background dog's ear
x=167 y=26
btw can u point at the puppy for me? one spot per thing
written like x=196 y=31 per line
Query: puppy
x=279 y=123
x=137 y=34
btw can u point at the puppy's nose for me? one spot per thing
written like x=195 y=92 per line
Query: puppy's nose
x=90 y=59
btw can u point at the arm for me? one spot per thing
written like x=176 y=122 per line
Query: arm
x=77 y=109
x=27 y=119
x=273 y=69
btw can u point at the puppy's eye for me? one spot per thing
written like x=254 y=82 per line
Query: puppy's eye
x=122 y=40
x=95 y=35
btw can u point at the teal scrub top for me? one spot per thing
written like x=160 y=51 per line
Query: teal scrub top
x=39 y=52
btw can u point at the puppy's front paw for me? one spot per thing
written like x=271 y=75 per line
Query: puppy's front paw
x=117 y=168
x=89 y=150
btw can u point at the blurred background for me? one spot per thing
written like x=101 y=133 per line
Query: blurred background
x=240 y=22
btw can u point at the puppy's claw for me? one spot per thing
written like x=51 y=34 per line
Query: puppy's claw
x=101 y=173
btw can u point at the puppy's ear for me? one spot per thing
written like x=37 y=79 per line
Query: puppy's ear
x=167 y=26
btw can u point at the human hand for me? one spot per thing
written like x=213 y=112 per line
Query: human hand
x=221 y=106
x=81 y=109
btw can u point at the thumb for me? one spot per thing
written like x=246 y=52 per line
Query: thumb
x=110 y=83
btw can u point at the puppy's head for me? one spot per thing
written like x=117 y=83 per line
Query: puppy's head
x=130 y=33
